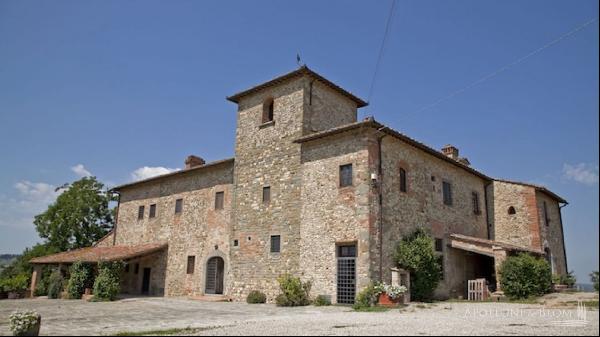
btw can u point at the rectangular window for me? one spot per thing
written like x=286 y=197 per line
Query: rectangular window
x=140 y=212
x=136 y=269
x=152 y=211
x=127 y=267
x=275 y=243
x=178 y=206
x=403 y=180
x=476 y=208
x=439 y=245
x=266 y=195
x=236 y=243
x=546 y=218
x=191 y=264
x=346 y=251
x=447 y=192
x=346 y=175
x=219 y=197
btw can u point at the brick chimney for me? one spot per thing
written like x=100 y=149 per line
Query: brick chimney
x=193 y=161
x=450 y=151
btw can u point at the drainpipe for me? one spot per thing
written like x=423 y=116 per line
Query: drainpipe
x=562 y=233
x=487 y=213
x=380 y=192
x=116 y=217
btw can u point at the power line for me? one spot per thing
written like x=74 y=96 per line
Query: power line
x=379 y=57
x=505 y=67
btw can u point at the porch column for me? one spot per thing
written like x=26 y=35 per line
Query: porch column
x=499 y=257
x=36 y=278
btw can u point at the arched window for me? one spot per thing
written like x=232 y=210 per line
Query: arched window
x=268 y=111
x=403 y=186
x=512 y=210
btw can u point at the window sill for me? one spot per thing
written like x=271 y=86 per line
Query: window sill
x=266 y=124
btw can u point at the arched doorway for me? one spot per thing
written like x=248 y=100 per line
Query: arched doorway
x=215 y=268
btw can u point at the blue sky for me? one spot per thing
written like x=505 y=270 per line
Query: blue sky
x=124 y=89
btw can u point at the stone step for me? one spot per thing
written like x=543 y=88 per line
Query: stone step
x=212 y=298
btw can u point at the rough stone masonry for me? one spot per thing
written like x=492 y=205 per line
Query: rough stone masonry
x=315 y=193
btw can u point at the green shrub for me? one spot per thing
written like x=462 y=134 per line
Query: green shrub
x=108 y=282
x=81 y=277
x=366 y=298
x=294 y=292
x=416 y=254
x=523 y=276
x=56 y=284
x=567 y=279
x=18 y=283
x=594 y=277
x=322 y=301
x=256 y=297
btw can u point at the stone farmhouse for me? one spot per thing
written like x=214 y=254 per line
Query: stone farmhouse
x=318 y=194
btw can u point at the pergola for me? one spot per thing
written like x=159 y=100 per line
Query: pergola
x=93 y=254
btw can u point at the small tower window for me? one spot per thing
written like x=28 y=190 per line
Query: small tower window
x=403 y=187
x=268 y=111
x=512 y=210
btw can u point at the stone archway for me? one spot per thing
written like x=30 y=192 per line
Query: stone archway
x=215 y=276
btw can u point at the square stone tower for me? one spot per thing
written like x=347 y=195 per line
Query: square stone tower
x=267 y=181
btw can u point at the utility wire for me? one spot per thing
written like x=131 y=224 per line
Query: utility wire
x=505 y=67
x=379 y=57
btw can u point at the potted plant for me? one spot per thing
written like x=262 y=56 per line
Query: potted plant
x=390 y=295
x=25 y=323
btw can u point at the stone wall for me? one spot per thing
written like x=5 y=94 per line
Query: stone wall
x=326 y=108
x=199 y=231
x=266 y=156
x=333 y=215
x=552 y=233
x=521 y=228
x=422 y=206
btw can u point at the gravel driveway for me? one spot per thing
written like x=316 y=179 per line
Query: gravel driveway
x=61 y=317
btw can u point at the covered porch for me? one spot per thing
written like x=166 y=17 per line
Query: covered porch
x=144 y=272
x=487 y=256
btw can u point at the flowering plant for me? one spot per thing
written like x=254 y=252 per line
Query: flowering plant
x=22 y=322
x=392 y=291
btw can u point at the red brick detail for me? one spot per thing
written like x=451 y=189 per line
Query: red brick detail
x=533 y=217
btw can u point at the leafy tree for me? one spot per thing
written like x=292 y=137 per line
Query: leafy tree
x=79 y=217
x=524 y=276
x=594 y=278
x=415 y=253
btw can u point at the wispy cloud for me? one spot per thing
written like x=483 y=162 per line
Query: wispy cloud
x=81 y=171
x=149 y=172
x=582 y=173
x=29 y=199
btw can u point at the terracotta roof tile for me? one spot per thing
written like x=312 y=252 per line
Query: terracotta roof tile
x=303 y=70
x=97 y=254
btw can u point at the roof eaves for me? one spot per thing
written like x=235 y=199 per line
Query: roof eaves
x=370 y=122
x=303 y=70
x=166 y=175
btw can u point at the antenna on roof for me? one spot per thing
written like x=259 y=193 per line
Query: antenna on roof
x=298 y=61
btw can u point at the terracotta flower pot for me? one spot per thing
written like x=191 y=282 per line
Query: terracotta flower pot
x=386 y=301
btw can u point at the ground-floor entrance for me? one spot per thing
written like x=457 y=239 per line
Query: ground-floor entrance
x=346 y=274
x=215 y=271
